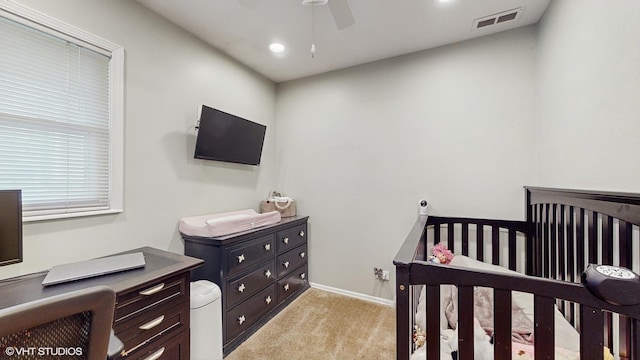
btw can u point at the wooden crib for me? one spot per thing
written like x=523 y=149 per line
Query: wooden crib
x=564 y=232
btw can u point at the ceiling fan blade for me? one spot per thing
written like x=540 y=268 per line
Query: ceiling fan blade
x=342 y=15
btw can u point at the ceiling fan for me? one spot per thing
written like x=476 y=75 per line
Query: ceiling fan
x=340 y=10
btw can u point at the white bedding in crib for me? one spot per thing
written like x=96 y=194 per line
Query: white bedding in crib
x=565 y=334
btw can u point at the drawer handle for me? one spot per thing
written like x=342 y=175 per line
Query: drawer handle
x=301 y=233
x=302 y=254
x=241 y=287
x=241 y=319
x=286 y=264
x=286 y=287
x=268 y=299
x=267 y=274
x=156 y=355
x=267 y=247
x=151 y=324
x=302 y=276
x=285 y=240
x=152 y=290
x=240 y=259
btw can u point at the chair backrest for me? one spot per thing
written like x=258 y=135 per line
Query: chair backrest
x=74 y=325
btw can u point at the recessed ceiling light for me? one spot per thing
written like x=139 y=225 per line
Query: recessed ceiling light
x=276 y=48
x=444 y=1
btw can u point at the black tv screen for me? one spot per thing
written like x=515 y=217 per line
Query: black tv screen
x=10 y=227
x=225 y=137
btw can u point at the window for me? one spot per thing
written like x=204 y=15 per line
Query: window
x=61 y=116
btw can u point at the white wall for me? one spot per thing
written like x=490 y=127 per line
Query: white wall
x=359 y=147
x=168 y=75
x=588 y=95
x=458 y=125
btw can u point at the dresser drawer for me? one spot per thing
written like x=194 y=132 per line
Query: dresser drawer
x=292 y=283
x=290 y=238
x=244 y=315
x=148 y=326
x=249 y=284
x=155 y=294
x=169 y=347
x=291 y=260
x=245 y=255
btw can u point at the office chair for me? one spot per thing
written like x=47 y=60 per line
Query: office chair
x=74 y=325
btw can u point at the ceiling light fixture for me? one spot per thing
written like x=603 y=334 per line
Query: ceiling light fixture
x=276 y=48
x=315 y=2
x=313 y=32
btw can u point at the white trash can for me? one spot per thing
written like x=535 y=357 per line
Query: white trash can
x=206 y=321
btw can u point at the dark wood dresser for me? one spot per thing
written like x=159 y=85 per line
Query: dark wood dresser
x=259 y=272
x=152 y=309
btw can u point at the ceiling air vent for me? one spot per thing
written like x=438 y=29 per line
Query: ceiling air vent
x=499 y=18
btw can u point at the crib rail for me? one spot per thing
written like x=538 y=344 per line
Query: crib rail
x=413 y=248
x=545 y=292
x=480 y=235
x=573 y=228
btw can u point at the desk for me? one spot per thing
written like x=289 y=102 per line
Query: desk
x=159 y=290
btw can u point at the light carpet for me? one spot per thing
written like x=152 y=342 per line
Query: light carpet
x=324 y=326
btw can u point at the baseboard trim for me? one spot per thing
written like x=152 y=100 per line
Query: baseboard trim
x=353 y=294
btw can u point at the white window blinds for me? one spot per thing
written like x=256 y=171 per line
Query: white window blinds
x=54 y=121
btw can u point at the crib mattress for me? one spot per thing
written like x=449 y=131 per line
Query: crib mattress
x=220 y=224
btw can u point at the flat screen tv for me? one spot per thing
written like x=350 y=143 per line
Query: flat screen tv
x=10 y=227
x=225 y=137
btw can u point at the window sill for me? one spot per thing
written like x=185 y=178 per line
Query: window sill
x=70 y=215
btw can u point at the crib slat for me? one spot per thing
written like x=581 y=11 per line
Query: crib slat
x=433 y=321
x=480 y=242
x=593 y=237
x=562 y=241
x=512 y=249
x=545 y=242
x=571 y=252
x=450 y=233
x=625 y=246
x=465 y=322
x=606 y=251
x=536 y=245
x=495 y=245
x=544 y=329
x=625 y=336
x=625 y=243
x=580 y=248
x=502 y=319
x=465 y=239
x=607 y=240
x=553 y=242
x=570 y=235
x=591 y=339
x=635 y=343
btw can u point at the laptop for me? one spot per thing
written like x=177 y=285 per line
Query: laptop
x=91 y=268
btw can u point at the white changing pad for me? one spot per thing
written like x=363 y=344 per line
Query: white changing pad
x=220 y=224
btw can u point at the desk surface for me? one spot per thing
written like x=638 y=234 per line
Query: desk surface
x=158 y=264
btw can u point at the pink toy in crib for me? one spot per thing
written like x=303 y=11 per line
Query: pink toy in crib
x=440 y=254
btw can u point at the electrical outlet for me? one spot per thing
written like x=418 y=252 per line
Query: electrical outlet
x=381 y=274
